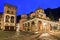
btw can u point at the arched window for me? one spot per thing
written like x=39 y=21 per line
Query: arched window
x=32 y=23
x=39 y=22
x=55 y=27
x=25 y=24
x=8 y=11
x=51 y=27
x=12 y=12
x=7 y=18
x=28 y=24
x=33 y=16
x=12 y=19
x=0 y=23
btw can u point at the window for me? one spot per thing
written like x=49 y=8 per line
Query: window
x=0 y=16
x=12 y=19
x=0 y=19
x=11 y=12
x=50 y=27
x=8 y=11
x=41 y=15
x=39 y=22
x=25 y=24
x=33 y=16
x=0 y=23
x=7 y=18
x=55 y=27
x=33 y=23
x=28 y=24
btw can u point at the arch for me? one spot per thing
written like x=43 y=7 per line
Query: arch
x=12 y=19
x=28 y=24
x=39 y=24
x=32 y=23
x=7 y=18
x=24 y=26
x=8 y=11
x=55 y=27
x=50 y=27
x=12 y=12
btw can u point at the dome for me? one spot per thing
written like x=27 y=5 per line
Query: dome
x=39 y=10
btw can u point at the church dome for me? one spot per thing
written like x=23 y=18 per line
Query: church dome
x=40 y=10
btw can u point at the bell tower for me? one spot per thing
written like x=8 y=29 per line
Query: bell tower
x=40 y=13
x=9 y=17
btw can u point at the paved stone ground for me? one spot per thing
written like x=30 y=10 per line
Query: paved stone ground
x=27 y=36
x=56 y=34
x=17 y=36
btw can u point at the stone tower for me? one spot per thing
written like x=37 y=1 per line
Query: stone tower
x=9 y=17
x=40 y=13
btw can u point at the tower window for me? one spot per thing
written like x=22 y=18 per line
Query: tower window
x=33 y=16
x=7 y=18
x=8 y=11
x=12 y=12
x=12 y=19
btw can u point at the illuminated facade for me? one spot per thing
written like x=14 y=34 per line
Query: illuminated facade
x=35 y=22
x=9 y=18
x=1 y=16
x=38 y=22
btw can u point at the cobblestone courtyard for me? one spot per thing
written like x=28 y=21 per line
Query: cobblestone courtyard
x=28 y=36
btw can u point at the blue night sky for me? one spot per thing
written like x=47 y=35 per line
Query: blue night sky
x=26 y=6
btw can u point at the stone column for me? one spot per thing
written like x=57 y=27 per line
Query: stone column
x=49 y=27
x=52 y=27
x=58 y=26
x=30 y=27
